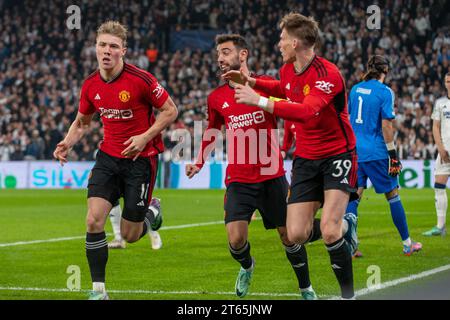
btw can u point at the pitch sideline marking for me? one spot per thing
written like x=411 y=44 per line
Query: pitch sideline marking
x=396 y=282
x=358 y=293
x=150 y=292
x=182 y=226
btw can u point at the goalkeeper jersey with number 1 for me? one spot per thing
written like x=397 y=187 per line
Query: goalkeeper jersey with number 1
x=369 y=103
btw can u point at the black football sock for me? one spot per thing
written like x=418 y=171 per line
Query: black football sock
x=298 y=258
x=150 y=216
x=242 y=255
x=316 y=233
x=148 y=220
x=97 y=255
x=341 y=262
x=145 y=226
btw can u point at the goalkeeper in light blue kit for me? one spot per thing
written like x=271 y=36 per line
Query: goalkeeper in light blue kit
x=371 y=108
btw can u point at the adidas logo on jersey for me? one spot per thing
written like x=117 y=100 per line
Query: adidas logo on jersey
x=97 y=97
x=141 y=204
x=288 y=86
x=335 y=266
x=344 y=181
x=225 y=105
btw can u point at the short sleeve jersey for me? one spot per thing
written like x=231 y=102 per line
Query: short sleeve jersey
x=370 y=102
x=125 y=105
x=253 y=155
x=441 y=112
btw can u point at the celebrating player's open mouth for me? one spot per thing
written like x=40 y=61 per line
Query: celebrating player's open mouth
x=106 y=61
x=122 y=94
x=228 y=58
x=225 y=67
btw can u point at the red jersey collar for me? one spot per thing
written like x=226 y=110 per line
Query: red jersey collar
x=305 y=68
x=115 y=77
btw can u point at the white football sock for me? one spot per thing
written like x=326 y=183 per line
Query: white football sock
x=310 y=288
x=441 y=206
x=154 y=210
x=115 y=216
x=407 y=242
x=98 y=286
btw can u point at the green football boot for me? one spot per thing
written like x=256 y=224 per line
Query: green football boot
x=435 y=231
x=309 y=295
x=243 y=280
x=95 y=295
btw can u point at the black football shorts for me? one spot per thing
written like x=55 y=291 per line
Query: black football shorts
x=154 y=161
x=269 y=197
x=310 y=178
x=112 y=178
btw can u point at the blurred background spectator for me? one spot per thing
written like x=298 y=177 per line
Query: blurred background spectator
x=43 y=63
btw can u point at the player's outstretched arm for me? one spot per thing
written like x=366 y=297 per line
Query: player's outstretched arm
x=321 y=95
x=269 y=86
x=246 y=95
x=287 y=110
x=395 y=166
x=76 y=132
x=167 y=114
x=239 y=77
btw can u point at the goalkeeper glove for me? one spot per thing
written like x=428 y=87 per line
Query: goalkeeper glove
x=395 y=166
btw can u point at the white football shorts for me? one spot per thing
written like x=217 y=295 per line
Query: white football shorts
x=441 y=169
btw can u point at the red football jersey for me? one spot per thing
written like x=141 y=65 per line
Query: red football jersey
x=289 y=135
x=241 y=120
x=318 y=104
x=126 y=106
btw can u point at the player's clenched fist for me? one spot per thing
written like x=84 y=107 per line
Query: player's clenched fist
x=191 y=170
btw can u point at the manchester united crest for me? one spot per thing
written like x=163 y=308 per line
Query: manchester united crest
x=306 y=90
x=124 y=96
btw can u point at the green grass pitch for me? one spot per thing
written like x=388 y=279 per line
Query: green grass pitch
x=194 y=262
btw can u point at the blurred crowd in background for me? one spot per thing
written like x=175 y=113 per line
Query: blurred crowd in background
x=43 y=63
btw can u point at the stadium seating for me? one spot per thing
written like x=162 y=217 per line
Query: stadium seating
x=43 y=63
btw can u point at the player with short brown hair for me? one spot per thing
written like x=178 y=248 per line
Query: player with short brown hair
x=124 y=96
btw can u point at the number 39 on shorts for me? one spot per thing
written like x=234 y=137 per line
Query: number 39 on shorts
x=341 y=166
